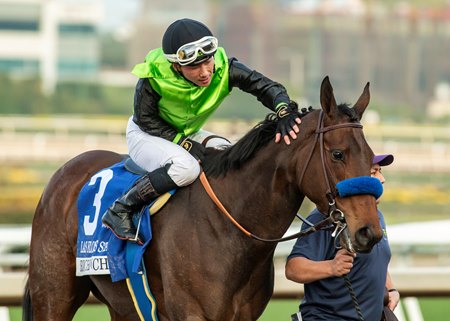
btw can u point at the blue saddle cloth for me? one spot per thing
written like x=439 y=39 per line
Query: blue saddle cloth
x=99 y=251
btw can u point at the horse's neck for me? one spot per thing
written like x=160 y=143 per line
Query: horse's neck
x=260 y=197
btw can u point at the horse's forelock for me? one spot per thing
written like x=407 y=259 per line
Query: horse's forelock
x=348 y=111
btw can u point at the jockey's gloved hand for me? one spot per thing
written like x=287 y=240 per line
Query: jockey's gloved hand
x=288 y=119
x=194 y=148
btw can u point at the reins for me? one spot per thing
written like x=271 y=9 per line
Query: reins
x=335 y=215
x=322 y=224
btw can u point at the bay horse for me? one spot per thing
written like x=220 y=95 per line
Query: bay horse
x=200 y=266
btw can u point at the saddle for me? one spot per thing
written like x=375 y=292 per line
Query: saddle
x=131 y=166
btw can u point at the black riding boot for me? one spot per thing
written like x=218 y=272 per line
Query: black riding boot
x=119 y=217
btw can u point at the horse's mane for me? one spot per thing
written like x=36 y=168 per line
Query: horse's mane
x=219 y=162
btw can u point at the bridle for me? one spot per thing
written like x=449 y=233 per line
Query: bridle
x=335 y=216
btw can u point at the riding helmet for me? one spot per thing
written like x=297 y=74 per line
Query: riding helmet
x=184 y=31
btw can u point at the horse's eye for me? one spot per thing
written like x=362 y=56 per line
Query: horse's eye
x=337 y=155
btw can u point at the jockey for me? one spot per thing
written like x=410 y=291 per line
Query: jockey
x=180 y=86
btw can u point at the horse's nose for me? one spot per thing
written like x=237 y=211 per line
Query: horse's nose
x=366 y=239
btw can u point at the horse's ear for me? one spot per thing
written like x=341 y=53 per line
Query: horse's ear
x=363 y=101
x=327 y=100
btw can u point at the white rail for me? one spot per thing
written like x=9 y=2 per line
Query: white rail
x=59 y=138
x=411 y=281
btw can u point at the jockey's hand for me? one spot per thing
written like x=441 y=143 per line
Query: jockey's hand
x=288 y=121
x=194 y=148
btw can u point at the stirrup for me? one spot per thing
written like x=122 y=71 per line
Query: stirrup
x=135 y=239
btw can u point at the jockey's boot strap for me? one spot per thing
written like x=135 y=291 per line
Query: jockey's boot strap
x=119 y=217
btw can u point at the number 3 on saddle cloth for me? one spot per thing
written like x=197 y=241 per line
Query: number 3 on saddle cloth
x=99 y=251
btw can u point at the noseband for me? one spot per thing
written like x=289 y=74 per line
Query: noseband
x=335 y=216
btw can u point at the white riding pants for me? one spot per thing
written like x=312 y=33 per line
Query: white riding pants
x=152 y=152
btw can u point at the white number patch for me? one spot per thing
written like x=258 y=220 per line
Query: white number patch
x=104 y=176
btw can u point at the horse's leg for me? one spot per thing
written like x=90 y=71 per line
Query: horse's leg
x=255 y=296
x=56 y=293
x=116 y=296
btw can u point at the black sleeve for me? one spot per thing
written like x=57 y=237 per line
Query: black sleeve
x=146 y=112
x=267 y=91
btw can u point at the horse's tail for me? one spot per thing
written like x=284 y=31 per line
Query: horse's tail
x=27 y=312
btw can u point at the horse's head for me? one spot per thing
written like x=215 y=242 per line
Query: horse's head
x=330 y=149
x=340 y=152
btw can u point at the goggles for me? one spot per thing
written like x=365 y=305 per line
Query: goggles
x=192 y=51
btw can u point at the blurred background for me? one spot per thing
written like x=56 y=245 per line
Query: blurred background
x=66 y=87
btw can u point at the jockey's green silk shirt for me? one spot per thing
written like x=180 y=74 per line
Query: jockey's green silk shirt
x=184 y=105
